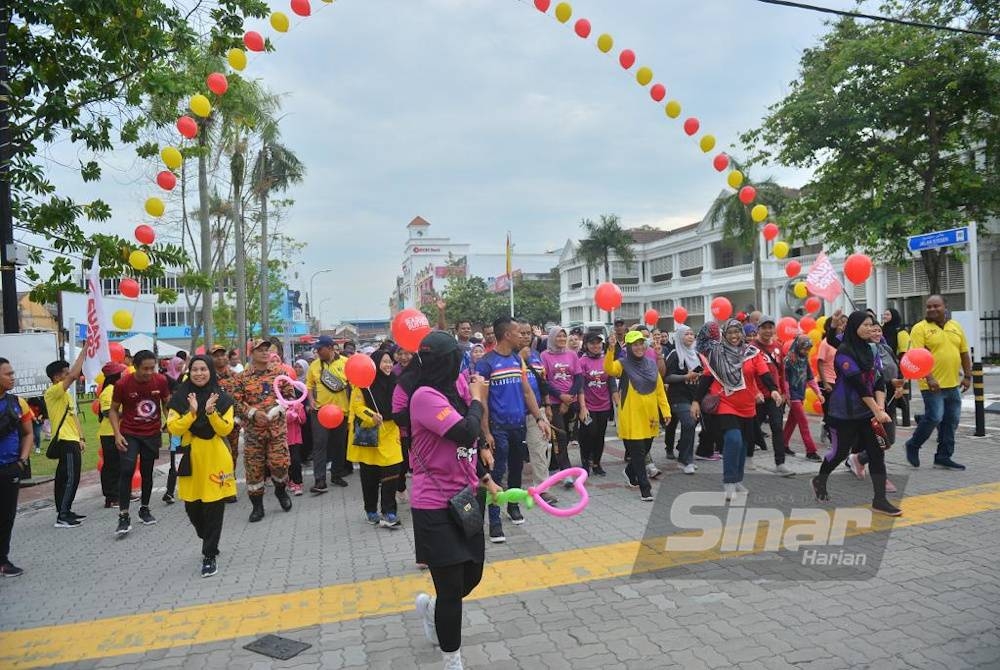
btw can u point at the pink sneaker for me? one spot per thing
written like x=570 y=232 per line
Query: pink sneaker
x=296 y=489
x=889 y=487
x=856 y=466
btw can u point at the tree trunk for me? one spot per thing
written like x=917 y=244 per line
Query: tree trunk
x=237 y=170
x=265 y=296
x=607 y=277
x=206 y=240
x=758 y=280
x=934 y=260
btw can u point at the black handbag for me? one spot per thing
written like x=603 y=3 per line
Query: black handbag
x=184 y=467
x=710 y=403
x=52 y=451
x=463 y=507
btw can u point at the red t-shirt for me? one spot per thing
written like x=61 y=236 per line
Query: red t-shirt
x=140 y=404
x=743 y=403
x=773 y=357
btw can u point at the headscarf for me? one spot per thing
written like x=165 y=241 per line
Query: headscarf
x=175 y=368
x=378 y=396
x=550 y=343
x=890 y=329
x=854 y=346
x=685 y=354
x=726 y=360
x=179 y=400
x=303 y=366
x=708 y=334
x=641 y=371
x=436 y=364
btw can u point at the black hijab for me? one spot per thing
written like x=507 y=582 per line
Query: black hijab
x=378 y=396
x=179 y=399
x=854 y=346
x=436 y=365
x=890 y=329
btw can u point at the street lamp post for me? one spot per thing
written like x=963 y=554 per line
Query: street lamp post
x=320 y=310
x=312 y=279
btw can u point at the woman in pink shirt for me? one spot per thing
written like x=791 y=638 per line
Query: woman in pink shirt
x=566 y=397
x=833 y=332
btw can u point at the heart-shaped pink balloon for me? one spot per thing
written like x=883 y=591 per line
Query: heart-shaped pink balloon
x=581 y=478
x=287 y=402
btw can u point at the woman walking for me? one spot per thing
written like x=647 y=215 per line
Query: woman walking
x=799 y=377
x=373 y=442
x=733 y=371
x=443 y=453
x=853 y=405
x=643 y=402
x=201 y=414
x=683 y=370
x=566 y=397
x=598 y=388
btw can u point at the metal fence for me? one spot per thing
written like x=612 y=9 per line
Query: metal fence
x=989 y=325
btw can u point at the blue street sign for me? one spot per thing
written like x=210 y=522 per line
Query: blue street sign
x=936 y=240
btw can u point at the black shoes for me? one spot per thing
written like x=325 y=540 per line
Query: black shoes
x=337 y=481
x=8 y=569
x=883 y=506
x=124 y=524
x=258 y=508
x=67 y=521
x=281 y=493
x=146 y=517
x=208 y=566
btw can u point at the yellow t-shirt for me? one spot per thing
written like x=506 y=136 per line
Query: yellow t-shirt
x=946 y=345
x=105 y=429
x=57 y=400
x=325 y=396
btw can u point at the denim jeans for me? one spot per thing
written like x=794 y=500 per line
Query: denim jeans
x=681 y=413
x=942 y=410
x=734 y=456
x=508 y=459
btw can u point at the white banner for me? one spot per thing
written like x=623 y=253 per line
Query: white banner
x=97 y=325
x=28 y=354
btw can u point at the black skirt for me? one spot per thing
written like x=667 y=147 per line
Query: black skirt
x=440 y=542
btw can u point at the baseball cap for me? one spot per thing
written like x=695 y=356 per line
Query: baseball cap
x=634 y=336
x=323 y=341
x=112 y=368
x=258 y=342
x=217 y=347
x=766 y=319
x=592 y=336
x=619 y=322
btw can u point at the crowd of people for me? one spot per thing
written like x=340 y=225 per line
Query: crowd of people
x=464 y=415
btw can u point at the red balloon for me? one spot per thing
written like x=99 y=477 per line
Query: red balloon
x=770 y=231
x=330 y=416
x=129 y=288
x=95 y=407
x=187 y=127
x=145 y=234
x=813 y=305
x=807 y=323
x=360 y=371
x=136 y=477
x=217 y=83
x=658 y=92
x=721 y=162
x=691 y=125
x=857 y=268
x=166 y=180
x=680 y=315
x=582 y=28
x=651 y=317
x=608 y=296
x=253 y=40
x=301 y=7
x=626 y=58
x=722 y=309
x=916 y=363
x=409 y=327
x=793 y=268
x=200 y=351
x=787 y=328
x=542 y=5
x=747 y=194
x=117 y=352
x=741 y=316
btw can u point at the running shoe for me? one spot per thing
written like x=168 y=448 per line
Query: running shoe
x=646 y=495
x=629 y=480
x=689 y=469
x=819 y=489
x=652 y=471
x=66 y=521
x=948 y=464
x=146 y=518
x=373 y=518
x=514 y=513
x=168 y=498
x=208 y=566
x=789 y=452
x=740 y=488
x=548 y=497
x=496 y=534
x=813 y=456
x=8 y=569
x=883 y=506
x=784 y=470
x=729 y=490
x=124 y=524
x=913 y=455
x=599 y=471
x=856 y=466
x=390 y=520
x=296 y=489
x=671 y=455
x=425 y=610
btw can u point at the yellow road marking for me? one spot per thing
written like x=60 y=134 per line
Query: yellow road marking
x=201 y=624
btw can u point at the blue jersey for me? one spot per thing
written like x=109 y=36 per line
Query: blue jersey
x=503 y=373
x=535 y=363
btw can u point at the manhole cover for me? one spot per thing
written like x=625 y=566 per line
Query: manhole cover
x=280 y=648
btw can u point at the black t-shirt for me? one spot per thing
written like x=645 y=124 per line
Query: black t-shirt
x=679 y=392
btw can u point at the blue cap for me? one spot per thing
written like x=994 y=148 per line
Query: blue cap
x=324 y=341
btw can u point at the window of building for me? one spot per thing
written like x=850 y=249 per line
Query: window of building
x=625 y=274
x=729 y=255
x=576 y=314
x=694 y=304
x=661 y=269
x=691 y=262
x=574 y=277
x=629 y=310
x=664 y=307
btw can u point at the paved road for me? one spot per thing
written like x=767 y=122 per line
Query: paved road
x=560 y=594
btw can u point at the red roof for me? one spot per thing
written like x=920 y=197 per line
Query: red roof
x=417 y=221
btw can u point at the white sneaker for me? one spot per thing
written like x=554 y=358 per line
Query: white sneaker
x=425 y=610
x=730 y=490
x=652 y=471
x=689 y=469
x=453 y=660
x=740 y=488
x=749 y=465
x=784 y=470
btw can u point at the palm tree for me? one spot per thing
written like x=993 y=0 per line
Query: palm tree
x=738 y=227
x=602 y=240
x=275 y=169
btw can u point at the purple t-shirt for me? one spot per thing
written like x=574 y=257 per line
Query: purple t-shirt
x=560 y=368
x=595 y=384
x=451 y=467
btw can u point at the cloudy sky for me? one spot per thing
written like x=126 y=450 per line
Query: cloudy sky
x=486 y=115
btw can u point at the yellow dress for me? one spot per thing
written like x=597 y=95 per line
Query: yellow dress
x=212 y=477
x=389 y=450
x=639 y=415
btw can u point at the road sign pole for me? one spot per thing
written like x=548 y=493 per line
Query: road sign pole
x=978 y=387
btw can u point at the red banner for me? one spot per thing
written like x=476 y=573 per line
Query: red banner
x=822 y=279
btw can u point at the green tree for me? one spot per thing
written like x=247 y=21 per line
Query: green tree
x=739 y=228
x=604 y=239
x=901 y=127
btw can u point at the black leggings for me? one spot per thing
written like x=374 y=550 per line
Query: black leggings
x=592 y=438
x=206 y=517
x=172 y=474
x=111 y=469
x=844 y=434
x=452 y=583
x=145 y=449
x=295 y=469
x=559 y=459
x=376 y=480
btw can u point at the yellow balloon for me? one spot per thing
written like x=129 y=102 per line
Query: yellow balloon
x=815 y=335
x=821 y=323
x=122 y=319
x=279 y=21
x=563 y=11
x=707 y=143
x=644 y=75
x=673 y=109
x=800 y=290
x=200 y=105
x=155 y=207
x=758 y=213
x=809 y=404
x=734 y=179
x=237 y=59
x=99 y=379
x=171 y=157
x=781 y=250
x=604 y=43
x=139 y=259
